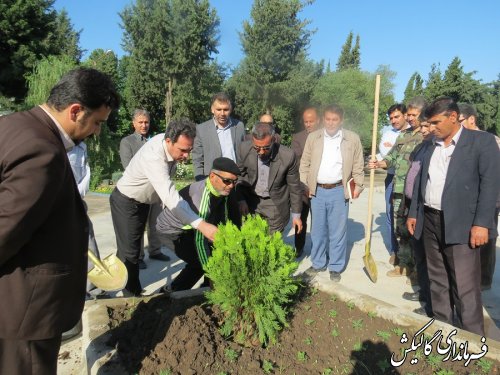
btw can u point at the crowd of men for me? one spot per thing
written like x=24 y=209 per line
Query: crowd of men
x=442 y=195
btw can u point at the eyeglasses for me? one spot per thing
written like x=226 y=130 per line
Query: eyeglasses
x=460 y=120
x=226 y=181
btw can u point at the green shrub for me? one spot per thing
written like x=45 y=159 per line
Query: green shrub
x=251 y=272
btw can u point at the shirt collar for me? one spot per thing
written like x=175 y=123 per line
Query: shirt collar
x=337 y=134
x=67 y=141
x=168 y=156
x=140 y=136
x=229 y=123
x=454 y=140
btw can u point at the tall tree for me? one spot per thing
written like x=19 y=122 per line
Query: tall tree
x=353 y=90
x=170 y=44
x=29 y=31
x=274 y=75
x=414 y=87
x=64 y=39
x=350 y=57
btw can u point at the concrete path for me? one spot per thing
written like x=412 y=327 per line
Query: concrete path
x=387 y=289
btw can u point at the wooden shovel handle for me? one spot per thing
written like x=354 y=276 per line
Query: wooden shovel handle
x=372 y=171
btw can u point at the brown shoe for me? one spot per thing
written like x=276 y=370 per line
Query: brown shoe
x=399 y=271
x=393 y=259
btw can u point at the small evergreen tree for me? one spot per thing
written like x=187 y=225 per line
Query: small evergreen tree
x=251 y=273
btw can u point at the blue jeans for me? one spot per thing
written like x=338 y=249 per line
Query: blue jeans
x=329 y=213
x=389 y=210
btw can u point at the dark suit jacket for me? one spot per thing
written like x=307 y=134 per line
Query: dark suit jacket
x=43 y=231
x=284 y=183
x=298 y=143
x=206 y=146
x=471 y=187
x=129 y=146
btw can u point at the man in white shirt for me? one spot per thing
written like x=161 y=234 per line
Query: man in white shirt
x=452 y=210
x=332 y=156
x=147 y=180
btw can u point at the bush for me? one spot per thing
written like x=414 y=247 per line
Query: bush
x=251 y=272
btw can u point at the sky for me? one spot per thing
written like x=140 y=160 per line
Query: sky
x=409 y=36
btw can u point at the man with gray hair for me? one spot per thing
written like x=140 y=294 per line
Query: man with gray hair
x=129 y=146
x=269 y=184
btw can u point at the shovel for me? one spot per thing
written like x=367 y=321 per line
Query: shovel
x=108 y=274
x=370 y=266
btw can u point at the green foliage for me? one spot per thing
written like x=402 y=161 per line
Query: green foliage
x=485 y=365
x=414 y=87
x=383 y=365
x=308 y=341
x=184 y=171
x=30 y=30
x=434 y=360
x=350 y=305
x=398 y=331
x=309 y=322
x=302 y=356
x=357 y=324
x=354 y=91
x=252 y=276
x=46 y=73
x=332 y=313
x=170 y=72
x=444 y=372
x=327 y=371
x=335 y=332
x=384 y=335
x=103 y=156
x=231 y=354
x=274 y=75
x=349 y=56
x=267 y=366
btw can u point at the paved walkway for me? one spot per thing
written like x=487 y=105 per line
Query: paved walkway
x=388 y=289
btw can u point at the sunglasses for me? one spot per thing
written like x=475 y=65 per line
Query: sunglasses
x=226 y=181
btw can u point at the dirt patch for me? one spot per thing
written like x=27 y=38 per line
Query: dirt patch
x=325 y=336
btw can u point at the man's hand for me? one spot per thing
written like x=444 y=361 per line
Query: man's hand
x=243 y=206
x=478 y=236
x=387 y=144
x=372 y=164
x=411 y=223
x=208 y=230
x=356 y=194
x=297 y=224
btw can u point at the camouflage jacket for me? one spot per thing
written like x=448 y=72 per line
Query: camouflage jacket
x=399 y=156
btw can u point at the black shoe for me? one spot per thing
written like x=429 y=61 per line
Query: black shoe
x=421 y=311
x=142 y=264
x=312 y=272
x=165 y=289
x=76 y=330
x=335 y=276
x=160 y=256
x=127 y=293
x=412 y=296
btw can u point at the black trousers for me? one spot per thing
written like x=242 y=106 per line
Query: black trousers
x=489 y=258
x=129 y=221
x=455 y=276
x=185 y=248
x=24 y=357
x=422 y=273
x=300 y=238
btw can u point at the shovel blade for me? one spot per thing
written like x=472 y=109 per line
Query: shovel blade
x=112 y=278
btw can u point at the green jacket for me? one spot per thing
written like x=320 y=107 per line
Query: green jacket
x=399 y=156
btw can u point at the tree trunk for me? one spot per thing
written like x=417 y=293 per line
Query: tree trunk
x=168 y=101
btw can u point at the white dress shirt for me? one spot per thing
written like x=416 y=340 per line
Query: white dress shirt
x=78 y=159
x=330 y=169
x=226 y=140
x=389 y=137
x=438 y=168
x=147 y=180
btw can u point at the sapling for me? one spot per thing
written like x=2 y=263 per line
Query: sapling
x=252 y=277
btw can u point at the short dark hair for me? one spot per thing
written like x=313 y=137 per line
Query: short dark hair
x=262 y=130
x=334 y=108
x=183 y=126
x=444 y=104
x=86 y=86
x=467 y=110
x=396 y=107
x=220 y=97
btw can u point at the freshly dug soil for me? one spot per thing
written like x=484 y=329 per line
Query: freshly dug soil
x=325 y=336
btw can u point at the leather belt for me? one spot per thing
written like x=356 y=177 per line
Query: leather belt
x=432 y=210
x=330 y=186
